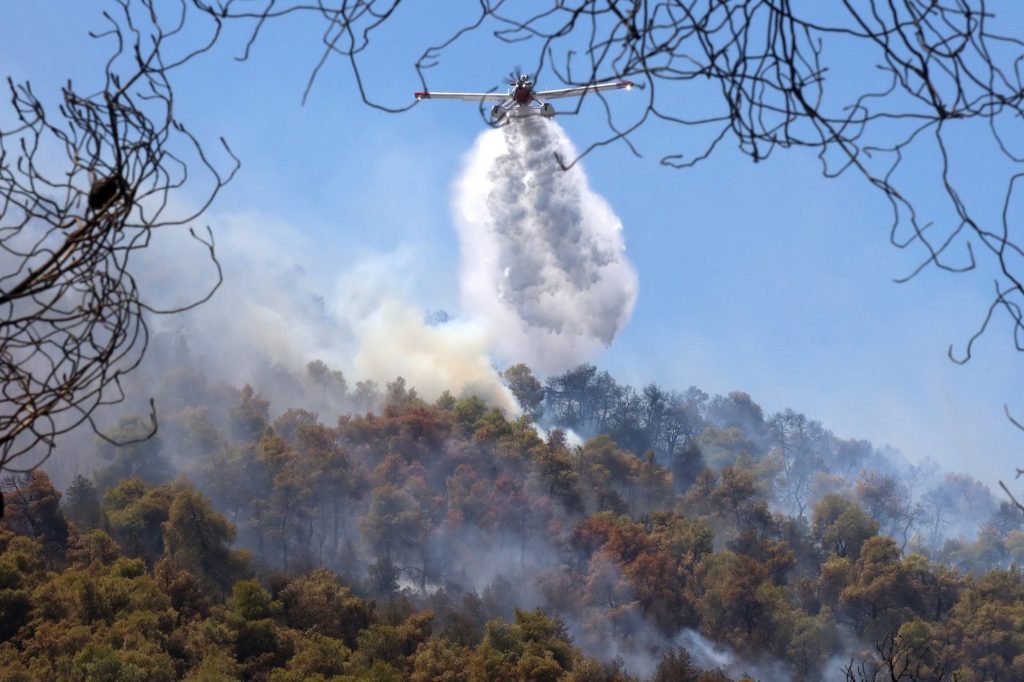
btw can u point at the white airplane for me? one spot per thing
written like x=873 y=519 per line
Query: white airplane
x=522 y=99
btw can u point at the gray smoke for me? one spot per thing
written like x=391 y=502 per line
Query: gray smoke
x=544 y=268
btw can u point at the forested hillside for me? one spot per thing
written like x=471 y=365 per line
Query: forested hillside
x=607 y=533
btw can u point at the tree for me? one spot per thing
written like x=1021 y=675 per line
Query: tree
x=33 y=509
x=737 y=501
x=720 y=446
x=82 y=191
x=135 y=512
x=327 y=379
x=440 y=660
x=982 y=636
x=681 y=423
x=525 y=387
x=841 y=526
x=796 y=438
x=884 y=590
x=890 y=503
x=533 y=647
x=82 y=504
x=198 y=540
x=317 y=656
x=555 y=472
x=676 y=665
x=903 y=654
x=95 y=546
x=583 y=397
x=392 y=644
x=317 y=601
x=21 y=567
x=736 y=603
x=250 y=416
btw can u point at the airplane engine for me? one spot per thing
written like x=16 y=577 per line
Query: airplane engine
x=547 y=111
x=498 y=113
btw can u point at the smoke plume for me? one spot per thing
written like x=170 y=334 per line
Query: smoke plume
x=544 y=280
x=365 y=320
x=543 y=262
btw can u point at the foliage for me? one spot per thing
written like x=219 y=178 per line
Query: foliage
x=405 y=544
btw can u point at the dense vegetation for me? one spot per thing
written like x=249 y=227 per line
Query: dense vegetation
x=688 y=537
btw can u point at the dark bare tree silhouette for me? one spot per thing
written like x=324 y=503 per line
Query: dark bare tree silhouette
x=83 y=187
x=898 y=660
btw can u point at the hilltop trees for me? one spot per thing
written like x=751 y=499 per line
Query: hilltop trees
x=405 y=544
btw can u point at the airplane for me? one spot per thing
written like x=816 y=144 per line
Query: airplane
x=521 y=99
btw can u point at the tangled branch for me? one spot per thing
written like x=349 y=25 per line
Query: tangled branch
x=82 y=190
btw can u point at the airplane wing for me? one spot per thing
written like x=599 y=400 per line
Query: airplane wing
x=467 y=96
x=582 y=90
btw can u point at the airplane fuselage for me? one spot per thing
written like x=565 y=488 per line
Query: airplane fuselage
x=522 y=94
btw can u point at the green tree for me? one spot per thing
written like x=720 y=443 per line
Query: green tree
x=527 y=390
x=136 y=512
x=738 y=602
x=440 y=660
x=316 y=657
x=984 y=635
x=94 y=546
x=249 y=600
x=533 y=647
x=840 y=526
x=82 y=504
x=676 y=665
x=327 y=380
x=393 y=643
x=395 y=524
x=33 y=509
x=883 y=590
x=198 y=540
x=21 y=569
x=318 y=601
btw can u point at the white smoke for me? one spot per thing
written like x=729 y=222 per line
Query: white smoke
x=272 y=309
x=543 y=261
x=394 y=340
x=544 y=280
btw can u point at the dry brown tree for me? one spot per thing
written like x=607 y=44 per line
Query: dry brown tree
x=85 y=182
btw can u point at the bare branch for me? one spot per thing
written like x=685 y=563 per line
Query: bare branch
x=71 y=314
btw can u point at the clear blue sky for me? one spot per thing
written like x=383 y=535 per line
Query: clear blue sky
x=765 y=278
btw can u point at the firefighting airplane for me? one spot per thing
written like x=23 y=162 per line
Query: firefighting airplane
x=522 y=99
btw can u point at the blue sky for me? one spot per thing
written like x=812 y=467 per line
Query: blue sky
x=765 y=278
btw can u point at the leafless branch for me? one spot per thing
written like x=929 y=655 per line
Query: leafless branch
x=84 y=186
